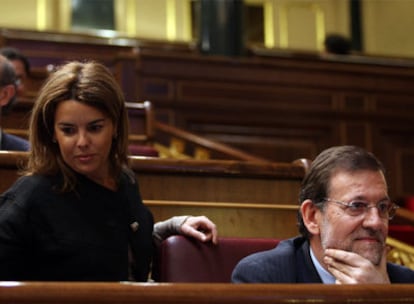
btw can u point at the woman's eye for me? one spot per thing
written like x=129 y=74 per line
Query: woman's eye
x=95 y=128
x=68 y=130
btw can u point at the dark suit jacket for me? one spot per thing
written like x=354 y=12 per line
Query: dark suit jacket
x=290 y=262
x=13 y=143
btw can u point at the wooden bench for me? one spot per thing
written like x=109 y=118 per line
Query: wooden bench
x=10 y=164
x=243 y=198
x=235 y=219
x=223 y=293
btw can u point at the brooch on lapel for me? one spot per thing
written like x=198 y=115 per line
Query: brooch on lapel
x=134 y=226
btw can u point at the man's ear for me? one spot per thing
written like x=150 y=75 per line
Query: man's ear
x=311 y=216
x=6 y=94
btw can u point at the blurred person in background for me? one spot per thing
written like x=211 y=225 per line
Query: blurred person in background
x=8 y=89
x=21 y=66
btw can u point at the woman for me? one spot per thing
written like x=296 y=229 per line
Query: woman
x=77 y=214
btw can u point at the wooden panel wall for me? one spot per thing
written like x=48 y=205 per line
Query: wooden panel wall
x=275 y=104
x=285 y=106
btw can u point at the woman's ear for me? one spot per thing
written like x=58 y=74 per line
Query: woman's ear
x=311 y=216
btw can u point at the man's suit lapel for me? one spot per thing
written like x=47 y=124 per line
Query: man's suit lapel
x=306 y=271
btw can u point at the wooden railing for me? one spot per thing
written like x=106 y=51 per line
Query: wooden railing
x=400 y=253
x=173 y=142
x=224 y=293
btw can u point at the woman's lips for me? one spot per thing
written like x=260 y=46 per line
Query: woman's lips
x=85 y=157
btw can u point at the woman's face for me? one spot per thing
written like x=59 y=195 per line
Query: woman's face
x=84 y=135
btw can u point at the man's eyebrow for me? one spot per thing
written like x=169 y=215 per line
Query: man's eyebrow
x=364 y=198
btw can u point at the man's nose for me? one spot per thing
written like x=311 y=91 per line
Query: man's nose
x=373 y=217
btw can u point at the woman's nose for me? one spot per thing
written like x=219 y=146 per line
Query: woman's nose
x=83 y=139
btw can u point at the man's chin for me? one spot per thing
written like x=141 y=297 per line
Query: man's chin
x=372 y=252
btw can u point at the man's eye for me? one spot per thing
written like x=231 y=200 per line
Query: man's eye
x=383 y=206
x=357 y=205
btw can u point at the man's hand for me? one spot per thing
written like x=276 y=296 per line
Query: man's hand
x=200 y=228
x=351 y=268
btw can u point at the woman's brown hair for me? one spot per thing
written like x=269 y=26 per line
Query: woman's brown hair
x=90 y=83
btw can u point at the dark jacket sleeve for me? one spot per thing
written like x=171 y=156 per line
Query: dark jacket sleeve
x=13 y=143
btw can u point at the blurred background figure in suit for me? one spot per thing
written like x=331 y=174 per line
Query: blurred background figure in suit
x=8 y=89
x=21 y=66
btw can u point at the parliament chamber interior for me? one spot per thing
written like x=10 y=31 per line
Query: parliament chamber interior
x=231 y=137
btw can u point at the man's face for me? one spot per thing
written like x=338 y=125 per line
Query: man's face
x=21 y=75
x=364 y=234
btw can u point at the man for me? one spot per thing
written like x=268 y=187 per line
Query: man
x=343 y=219
x=7 y=93
x=21 y=67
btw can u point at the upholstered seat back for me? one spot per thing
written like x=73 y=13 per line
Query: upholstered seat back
x=187 y=260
